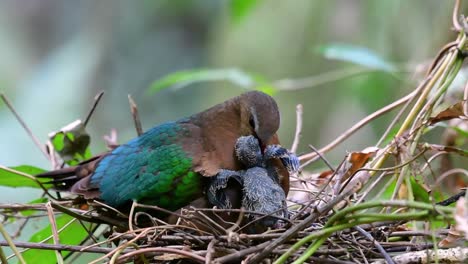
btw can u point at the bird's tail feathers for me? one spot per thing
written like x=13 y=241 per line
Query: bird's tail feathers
x=62 y=179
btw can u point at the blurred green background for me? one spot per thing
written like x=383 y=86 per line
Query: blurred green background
x=56 y=55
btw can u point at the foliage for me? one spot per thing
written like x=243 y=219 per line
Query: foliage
x=17 y=176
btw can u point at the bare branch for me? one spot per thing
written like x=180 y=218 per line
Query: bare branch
x=311 y=157
x=23 y=124
x=97 y=98
x=297 y=135
x=136 y=117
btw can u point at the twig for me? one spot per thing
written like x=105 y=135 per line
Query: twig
x=116 y=255
x=62 y=247
x=297 y=135
x=456 y=8
x=97 y=98
x=442 y=52
x=291 y=232
x=238 y=255
x=50 y=237
x=25 y=127
x=136 y=117
x=210 y=251
x=190 y=255
x=359 y=247
x=333 y=169
x=3 y=258
x=53 y=226
x=376 y=244
x=351 y=178
x=130 y=216
x=465 y=99
x=322 y=189
x=97 y=219
x=53 y=158
x=311 y=157
x=417 y=233
x=448 y=173
x=122 y=247
x=204 y=239
x=20 y=228
x=10 y=243
x=400 y=113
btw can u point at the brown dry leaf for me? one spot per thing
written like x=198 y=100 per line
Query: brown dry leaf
x=452 y=238
x=461 y=216
x=357 y=160
x=324 y=177
x=454 y=111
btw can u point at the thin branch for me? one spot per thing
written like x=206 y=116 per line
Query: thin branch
x=136 y=117
x=333 y=169
x=122 y=247
x=3 y=258
x=376 y=244
x=291 y=232
x=10 y=243
x=188 y=254
x=297 y=135
x=53 y=226
x=210 y=251
x=456 y=8
x=311 y=157
x=441 y=54
x=25 y=127
x=97 y=98
x=465 y=99
x=62 y=247
x=399 y=114
x=130 y=216
x=450 y=172
x=238 y=255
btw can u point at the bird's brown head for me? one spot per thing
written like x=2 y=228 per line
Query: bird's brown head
x=259 y=115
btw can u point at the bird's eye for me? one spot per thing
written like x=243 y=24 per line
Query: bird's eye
x=252 y=122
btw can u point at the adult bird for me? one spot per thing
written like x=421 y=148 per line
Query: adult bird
x=170 y=164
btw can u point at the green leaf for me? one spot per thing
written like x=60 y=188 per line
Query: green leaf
x=240 y=8
x=387 y=194
x=460 y=131
x=463 y=133
x=58 y=141
x=268 y=89
x=357 y=55
x=182 y=79
x=420 y=194
x=12 y=179
x=73 y=234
